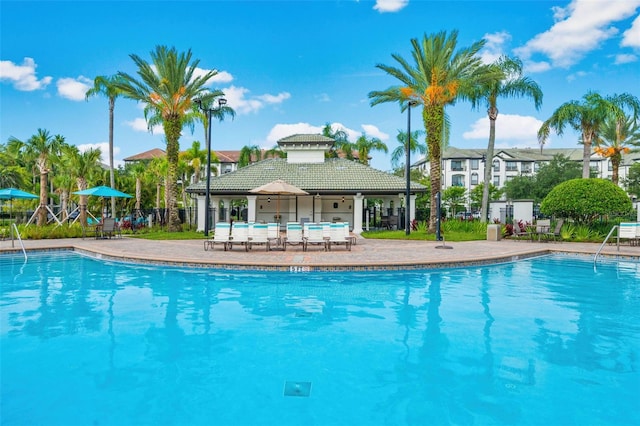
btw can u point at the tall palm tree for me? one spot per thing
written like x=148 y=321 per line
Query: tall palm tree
x=509 y=83
x=12 y=173
x=365 y=145
x=400 y=151
x=587 y=116
x=617 y=136
x=106 y=86
x=440 y=75
x=167 y=87
x=41 y=148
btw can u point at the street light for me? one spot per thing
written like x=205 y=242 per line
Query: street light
x=221 y=102
x=407 y=170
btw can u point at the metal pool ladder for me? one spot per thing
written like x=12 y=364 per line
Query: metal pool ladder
x=595 y=257
x=15 y=229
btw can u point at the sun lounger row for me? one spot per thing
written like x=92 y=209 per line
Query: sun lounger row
x=244 y=234
x=323 y=234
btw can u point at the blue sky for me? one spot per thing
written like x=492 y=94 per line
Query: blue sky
x=290 y=67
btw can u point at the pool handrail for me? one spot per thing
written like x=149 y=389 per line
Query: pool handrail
x=595 y=257
x=15 y=228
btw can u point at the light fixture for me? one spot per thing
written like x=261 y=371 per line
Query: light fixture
x=268 y=199
x=343 y=199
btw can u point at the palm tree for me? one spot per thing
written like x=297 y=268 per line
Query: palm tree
x=12 y=173
x=365 y=145
x=167 y=86
x=615 y=138
x=400 y=151
x=341 y=142
x=441 y=75
x=587 y=116
x=158 y=168
x=196 y=158
x=106 y=86
x=41 y=148
x=509 y=83
x=84 y=165
x=249 y=154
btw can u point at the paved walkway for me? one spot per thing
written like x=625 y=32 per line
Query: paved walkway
x=366 y=254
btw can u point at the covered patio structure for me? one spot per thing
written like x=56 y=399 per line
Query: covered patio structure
x=337 y=188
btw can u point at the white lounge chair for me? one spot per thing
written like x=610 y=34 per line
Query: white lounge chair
x=273 y=234
x=629 y=231
x=259 y=234
x=294 y=235
x=240 y=235
x=221 y=235
x=314 y=237
x=337 y=236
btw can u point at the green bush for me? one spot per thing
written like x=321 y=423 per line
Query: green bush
x=585 y=200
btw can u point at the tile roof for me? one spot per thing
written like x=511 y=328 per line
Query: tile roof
x=147 y=155
x=335 y=175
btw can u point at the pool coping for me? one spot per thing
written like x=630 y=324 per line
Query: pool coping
x=368 y=255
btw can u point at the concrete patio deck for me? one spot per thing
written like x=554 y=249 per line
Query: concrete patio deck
x=367 y=254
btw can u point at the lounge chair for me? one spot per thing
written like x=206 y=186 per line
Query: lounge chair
x=259 y=234
x=294 y=235
x=273 y=234
x=221 y=235
x=314 y=237
x=240 y=235
x=556 y=231
x=337 y=236
x=629 y=231
x=519 y=234
x=347 y=233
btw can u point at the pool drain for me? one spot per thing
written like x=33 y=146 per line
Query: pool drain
x=297 y=388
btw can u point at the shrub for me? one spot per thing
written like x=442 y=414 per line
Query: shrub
x=584 y=200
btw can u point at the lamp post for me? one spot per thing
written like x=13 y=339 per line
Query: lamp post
x=407 y=171
x=221 y=102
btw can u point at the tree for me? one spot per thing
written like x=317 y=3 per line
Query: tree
x=40 y=149
x=560 y=169
x=12 y=174
x=440 y=76
x=195 y=157
x=632 y=182
x=341 y=142
x=584 y=200
x=167 y=87
x=509 y=83
x=616 y=137
x=249 y=154
x=365 y=145
x=587 y=117
x=84 y=165
x=400 y=151
x=106 y=86
x=454 y=198
x=477 y=193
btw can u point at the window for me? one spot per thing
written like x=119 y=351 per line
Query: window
x=526 y=167
x=496 y=165
x=496 y=181
x=475 y=164
x=457 y=165
x=512 y=166
x=457 y=180
x=474 y=178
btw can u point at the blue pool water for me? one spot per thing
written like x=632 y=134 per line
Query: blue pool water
x=546 y=341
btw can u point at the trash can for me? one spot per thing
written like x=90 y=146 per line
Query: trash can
x=494 y=233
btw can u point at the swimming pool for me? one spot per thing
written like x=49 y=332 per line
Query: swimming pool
x=539 y=341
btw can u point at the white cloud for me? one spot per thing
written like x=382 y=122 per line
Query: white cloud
x=23 y=77
x=373 y=131
x=104 y=149
x=493 y=49
x=237 y=98
x=74 y=89
x=221 y=77
x=508 y=127
x=625 y=58
x=383 y=6
x=140 y=125
x=323 y=97
x=579 y=74
x=631 y=37
x=579 y=28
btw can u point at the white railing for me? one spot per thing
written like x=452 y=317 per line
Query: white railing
x=595 y=257
x=15 y=228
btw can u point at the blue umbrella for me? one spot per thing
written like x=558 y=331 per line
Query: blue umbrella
x=12 y=194
x=103 y=191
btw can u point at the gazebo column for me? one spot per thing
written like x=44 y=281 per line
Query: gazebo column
x=226 y=204
x=251 y=208
x=200 y=213
x=357 y=213
x=412 y=207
